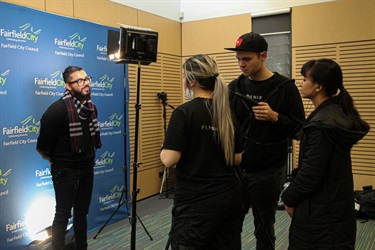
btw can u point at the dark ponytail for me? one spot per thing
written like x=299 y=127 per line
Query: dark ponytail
x=328 y=73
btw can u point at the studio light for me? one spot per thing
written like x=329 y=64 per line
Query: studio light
x=132 y=45
x=44 y=234
x=39 y=216
x=43 y=237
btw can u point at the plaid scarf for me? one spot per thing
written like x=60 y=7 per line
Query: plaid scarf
x=76 y=113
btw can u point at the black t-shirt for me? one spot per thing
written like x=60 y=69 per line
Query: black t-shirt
x=258 y=90
x=266 y=143
x=202 y=171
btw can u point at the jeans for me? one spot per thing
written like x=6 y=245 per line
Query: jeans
x=264 y=190
x=73 y=189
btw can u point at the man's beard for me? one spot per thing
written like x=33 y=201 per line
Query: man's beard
x=80 y=97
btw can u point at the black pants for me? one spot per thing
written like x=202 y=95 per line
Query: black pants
x=264 y=189
x=73 y=189
x=210 y=224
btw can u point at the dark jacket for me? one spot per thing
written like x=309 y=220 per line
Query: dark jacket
x=266 y=144
x=322 y=191
x=54 y=141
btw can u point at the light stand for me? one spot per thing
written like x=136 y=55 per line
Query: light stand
x=134 y=215
x=137 y=46
x=290 y=158
x=163 y=97
x=135 y=191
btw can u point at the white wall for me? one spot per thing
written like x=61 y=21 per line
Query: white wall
x=193 y=10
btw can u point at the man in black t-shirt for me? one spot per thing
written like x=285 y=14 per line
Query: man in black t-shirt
x=274 y=114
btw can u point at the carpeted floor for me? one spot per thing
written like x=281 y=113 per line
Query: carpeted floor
x=154 y=213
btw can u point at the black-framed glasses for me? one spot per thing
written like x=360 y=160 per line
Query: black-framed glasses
x=81 y=81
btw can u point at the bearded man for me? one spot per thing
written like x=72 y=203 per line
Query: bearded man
x=69 y=136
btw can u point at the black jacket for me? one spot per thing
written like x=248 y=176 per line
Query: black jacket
x=322 y=191
x=266 y=144
x=54 y=140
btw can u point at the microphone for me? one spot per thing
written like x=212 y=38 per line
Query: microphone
x=245 y=98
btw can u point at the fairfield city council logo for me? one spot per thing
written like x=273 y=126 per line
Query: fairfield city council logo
x=53 y=81
x=105 y=159
x=104 y=164
x=111 y=126
x=26 y=32
x=115 y=120
x=17 y=133
x=105 y=82
x=3 y=80
x=114 y=194
x=4 y=177
x=75 y=41
x=109 y=199
x=102 y=49
x=70 y=45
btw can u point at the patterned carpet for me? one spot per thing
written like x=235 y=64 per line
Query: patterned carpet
x=154 y=213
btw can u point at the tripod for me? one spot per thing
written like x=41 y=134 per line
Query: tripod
x=133 y=218
x=163 y=97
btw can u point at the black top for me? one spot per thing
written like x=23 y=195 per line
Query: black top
x=54 y=140
x=266 y=143
x=202 y=171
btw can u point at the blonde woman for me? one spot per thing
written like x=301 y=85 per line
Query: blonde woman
x=201 y=142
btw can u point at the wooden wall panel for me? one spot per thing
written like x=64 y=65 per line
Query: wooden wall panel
x=161 y=76
x=35 y=4
x=213 y=35
x=169 y=32
x=228 y=67
x=357 y=60
x=332 y=22
x=147 y=181
x=60 y=7
x=105 y=12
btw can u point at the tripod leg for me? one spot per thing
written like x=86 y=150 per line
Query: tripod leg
x=163 y=180
x=139 y=219
x=168 y=243
x=166 y=182
x=118 y=207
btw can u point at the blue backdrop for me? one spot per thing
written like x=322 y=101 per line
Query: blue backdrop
x=35 y=48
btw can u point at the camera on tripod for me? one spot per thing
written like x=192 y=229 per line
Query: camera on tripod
x=162 y=96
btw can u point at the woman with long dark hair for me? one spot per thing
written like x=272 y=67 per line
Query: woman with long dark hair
x=320 y=197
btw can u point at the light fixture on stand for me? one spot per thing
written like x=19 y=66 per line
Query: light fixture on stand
x=132 y=45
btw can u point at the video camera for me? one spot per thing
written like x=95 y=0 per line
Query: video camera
x=162 y=96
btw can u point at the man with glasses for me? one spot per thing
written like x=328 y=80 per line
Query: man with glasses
x=69 y=136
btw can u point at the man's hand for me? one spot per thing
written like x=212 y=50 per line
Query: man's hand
x=263 y=112
x=289 y=210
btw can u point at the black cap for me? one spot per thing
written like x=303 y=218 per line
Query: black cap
x=250 y=42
